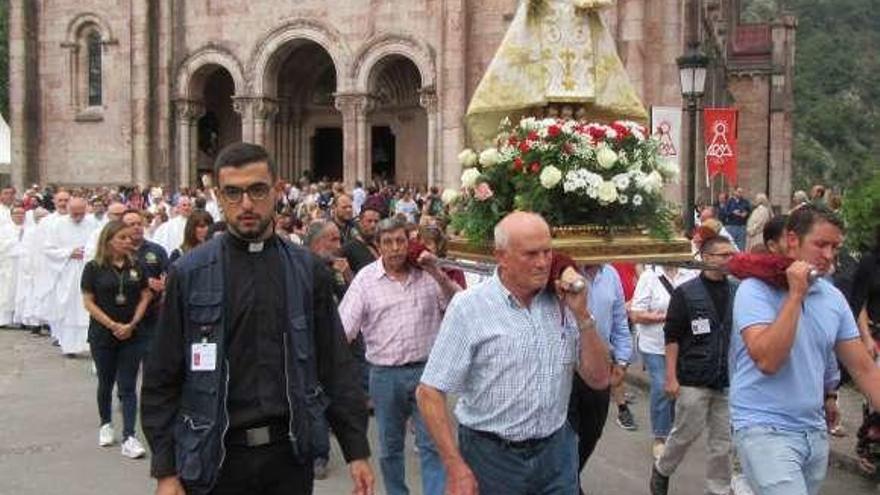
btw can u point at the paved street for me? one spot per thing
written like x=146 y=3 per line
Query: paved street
x=48 y=439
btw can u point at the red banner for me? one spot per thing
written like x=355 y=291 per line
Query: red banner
x=720 y=139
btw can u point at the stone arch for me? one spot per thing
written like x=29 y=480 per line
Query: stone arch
x=195 y=69
x=75 y=26
x=269 y=52
x=380 y=47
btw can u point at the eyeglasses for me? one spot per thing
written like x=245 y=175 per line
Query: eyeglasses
x=720 y=255
x=256 y=192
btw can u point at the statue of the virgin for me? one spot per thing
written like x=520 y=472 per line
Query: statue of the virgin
x=557 y=59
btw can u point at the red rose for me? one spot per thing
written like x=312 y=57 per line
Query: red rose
x=621 y=130
x=567 y=148
x=518 y=164
x=553 y=131
x=512 y=140
x=533 y=136
x=524 y=147
x=597 y=133
x=535 y=167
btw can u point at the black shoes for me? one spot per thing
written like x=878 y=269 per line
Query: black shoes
x=659 y=483
x=625 y=419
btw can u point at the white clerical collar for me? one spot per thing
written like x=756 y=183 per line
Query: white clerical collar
x=255 y=247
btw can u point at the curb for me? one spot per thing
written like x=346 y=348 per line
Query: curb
x=837 y=458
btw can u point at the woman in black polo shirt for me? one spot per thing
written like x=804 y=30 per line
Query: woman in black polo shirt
x=116 y=295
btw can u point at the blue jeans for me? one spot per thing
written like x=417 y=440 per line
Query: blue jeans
x=548 y=469
x=119 y=365
x=662 y=407
x=393 y=389
x=738 y=232
x=779 y=462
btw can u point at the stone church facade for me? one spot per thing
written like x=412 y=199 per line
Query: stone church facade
x=147 y=91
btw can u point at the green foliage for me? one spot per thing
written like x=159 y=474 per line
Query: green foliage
x=572 y=174
x=861 y=210
x=837 y=92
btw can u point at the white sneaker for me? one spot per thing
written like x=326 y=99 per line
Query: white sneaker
x=105 y=435
x=132 y=449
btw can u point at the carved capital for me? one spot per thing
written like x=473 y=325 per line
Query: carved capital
x=428 y=99
x=353 y=103
x=189 y=110
x=264 y=108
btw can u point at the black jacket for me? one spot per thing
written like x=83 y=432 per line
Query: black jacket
x=184 y=413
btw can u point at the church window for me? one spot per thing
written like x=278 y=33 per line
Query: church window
x=93 y=49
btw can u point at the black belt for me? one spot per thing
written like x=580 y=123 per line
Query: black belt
x=411 y=364
x=531 y=443
x=273 y=432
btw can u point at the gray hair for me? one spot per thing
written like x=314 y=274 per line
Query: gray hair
x=501 y=234
x=761 y=199
x=800 y=197
x=502 y=238
x=389 y=225
x=315 y=231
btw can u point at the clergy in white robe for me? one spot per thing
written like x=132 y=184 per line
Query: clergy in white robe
x=11 y=234
x=169 y=235
x=114 y=212
x=7 y=197
x=65 y=249
x=26 y=301
x=46 y=306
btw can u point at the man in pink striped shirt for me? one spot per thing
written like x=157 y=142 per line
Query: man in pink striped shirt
x=398 y=308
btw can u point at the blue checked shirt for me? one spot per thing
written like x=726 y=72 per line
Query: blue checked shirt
x=511 y=366
x=607 y=305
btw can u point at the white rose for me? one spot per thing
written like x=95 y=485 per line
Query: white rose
x=606 y=157
x=467 y=158
x=607 y=192
x=654 y=182
x=490 y=157
x=638 y=200
x=469 y=177
x=668 y=168
x=621 y=181
x=449 y=196
x=550 y=176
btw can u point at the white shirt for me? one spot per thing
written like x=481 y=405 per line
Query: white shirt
x=651 y=295
x=358 y=196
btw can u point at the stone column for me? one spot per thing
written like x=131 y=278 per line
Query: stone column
x=428 y=101
x=242 y=105
x=452 y=82
x=263 y=110
x=140 y=91
x=188 y=114
x=18 y=84
x=355 y=128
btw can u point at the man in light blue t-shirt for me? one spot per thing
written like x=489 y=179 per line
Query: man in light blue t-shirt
x=782 y=348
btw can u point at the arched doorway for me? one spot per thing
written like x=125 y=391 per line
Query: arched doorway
x=398 y=124
x=307 y=132
x=220 y=124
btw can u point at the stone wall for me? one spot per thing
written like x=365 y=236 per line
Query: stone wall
x=156 y=54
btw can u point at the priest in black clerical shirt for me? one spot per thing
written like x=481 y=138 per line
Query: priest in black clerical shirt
x=249 y=350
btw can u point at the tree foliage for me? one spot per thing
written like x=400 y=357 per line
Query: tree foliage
x=837 y=92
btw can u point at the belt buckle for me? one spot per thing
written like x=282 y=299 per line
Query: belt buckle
x=257 y=436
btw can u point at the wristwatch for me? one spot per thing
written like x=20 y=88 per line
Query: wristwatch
x=622 y=364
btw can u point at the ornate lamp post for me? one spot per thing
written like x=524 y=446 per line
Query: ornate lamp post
x=692 y=75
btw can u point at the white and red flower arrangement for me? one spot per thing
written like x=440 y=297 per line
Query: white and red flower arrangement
x=572 y=173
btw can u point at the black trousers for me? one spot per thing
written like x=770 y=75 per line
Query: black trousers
x=265 y=470
x=587 y=412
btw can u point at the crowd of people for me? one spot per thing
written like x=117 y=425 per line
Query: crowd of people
x=263 y=314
